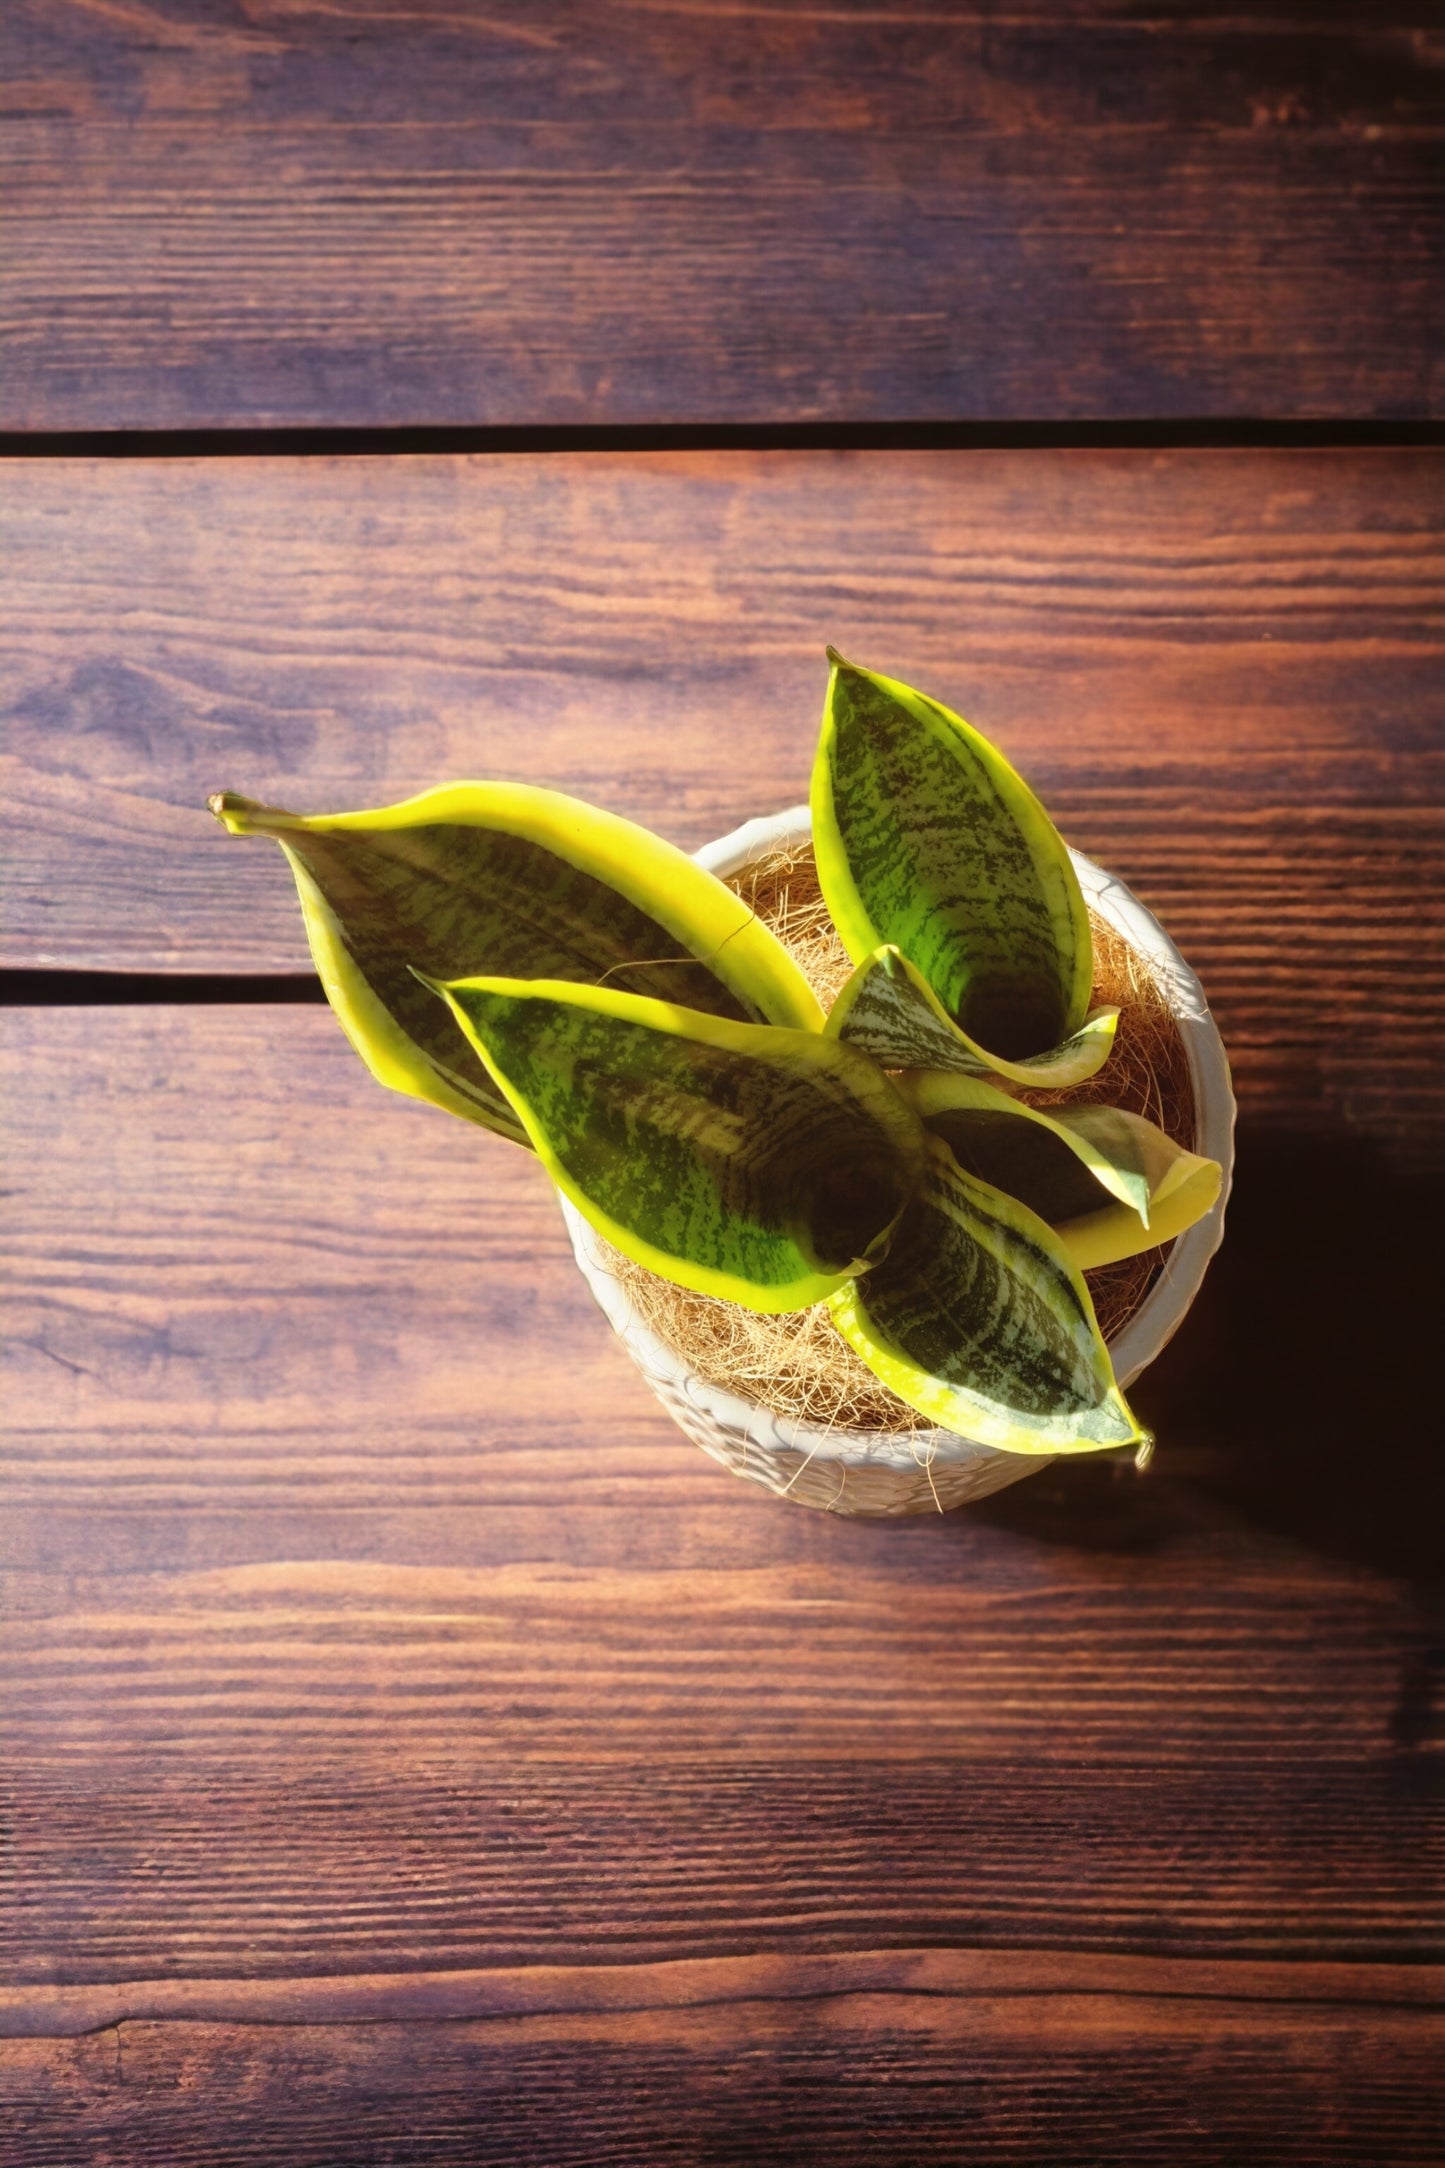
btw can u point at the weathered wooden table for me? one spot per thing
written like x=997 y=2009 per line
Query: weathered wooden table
x=413 y=1750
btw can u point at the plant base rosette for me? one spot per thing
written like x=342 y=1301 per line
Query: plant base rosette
x=890 y=1473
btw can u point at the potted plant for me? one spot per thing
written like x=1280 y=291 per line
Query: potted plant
x=922 y=1174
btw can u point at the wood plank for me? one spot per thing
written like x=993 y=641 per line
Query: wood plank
x=1221 y=670
x=578 y=213
x=858 y=2078
x=349 y=1866
x=363 y=1616
x=58 y=2013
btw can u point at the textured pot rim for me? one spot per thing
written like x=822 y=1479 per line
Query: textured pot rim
x=1158 y=1317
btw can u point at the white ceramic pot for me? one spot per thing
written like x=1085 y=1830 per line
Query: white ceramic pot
x=927 y=1471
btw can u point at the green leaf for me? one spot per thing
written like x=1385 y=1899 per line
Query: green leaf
x=979 y=1320
x=748 y=1161
x=889 y=1010
x=928 y=840
x=1108 y=1182
x=502 y=878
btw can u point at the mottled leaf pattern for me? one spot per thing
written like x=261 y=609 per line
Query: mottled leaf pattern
x=888 y=1009
x=927 y=839
x=1109 y=1183
x=563 y=977
x=755 y=1163
x=504 y=879
x=979 y=1320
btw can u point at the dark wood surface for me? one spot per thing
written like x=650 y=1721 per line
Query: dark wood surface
x=412 y=1751
x=415 y=1751
x=761 y=2071
x=585 y=213
x=1222 y=671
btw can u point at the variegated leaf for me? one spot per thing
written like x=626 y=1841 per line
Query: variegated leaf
x=1183 y=1189
x=751 y=1162
x=928 y=840
x=889 y=1010
x=977 y=1318
x=503 y=878
x=1109 y=1182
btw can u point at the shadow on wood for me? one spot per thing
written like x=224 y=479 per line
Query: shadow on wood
x=1297 y=1395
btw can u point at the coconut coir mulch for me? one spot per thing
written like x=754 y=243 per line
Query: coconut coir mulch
x=799 y=1364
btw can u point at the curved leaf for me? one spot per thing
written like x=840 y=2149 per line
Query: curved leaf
x=889 y=1010
x=927 y=839
x=1108 y=1182
x=747 y=1161
x=1186 y=1191
x=503 y=878
x=978 y=1319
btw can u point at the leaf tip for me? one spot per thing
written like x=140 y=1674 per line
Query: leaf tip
x=229 y=809
x=247 y=817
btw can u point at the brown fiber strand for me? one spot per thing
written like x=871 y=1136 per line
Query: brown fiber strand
x=798 y=1365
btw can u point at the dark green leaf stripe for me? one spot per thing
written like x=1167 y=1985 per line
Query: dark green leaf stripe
x=390 y=1019
x=927 y=838
x=756 y=1163
x=978 y=1319
x=888 y=1010
x=505 y=879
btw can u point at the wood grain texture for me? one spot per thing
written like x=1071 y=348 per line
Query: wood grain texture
x=862 y=2078
x=1221 y=671
x=645 y=211
x=414 y=1751
x=365 y=1622
x=63 y=2012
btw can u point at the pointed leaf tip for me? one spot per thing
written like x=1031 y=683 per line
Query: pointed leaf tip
x=231 y=810
x=248 y=817
x=978 y=1318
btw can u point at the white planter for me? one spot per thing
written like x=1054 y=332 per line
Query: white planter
x=926 y=1471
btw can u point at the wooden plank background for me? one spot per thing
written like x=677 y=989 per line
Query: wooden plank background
x=1222 y=672
x=609 y=211
x=759 y=2074
x=415 y=1752
x=390 y=1689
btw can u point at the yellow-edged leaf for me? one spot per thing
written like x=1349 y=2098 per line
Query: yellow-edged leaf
x=1187 y=1191
x=1108 y=1182
x=927 y=839
x=756 y=1163
x=979 y=1319
x=888 y=1009
x=506 y=879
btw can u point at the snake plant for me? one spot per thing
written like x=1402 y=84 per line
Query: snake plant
x=563 y=977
